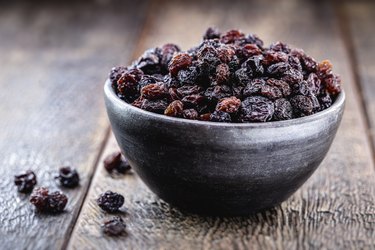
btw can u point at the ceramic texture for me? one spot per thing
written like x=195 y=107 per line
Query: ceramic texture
x=222 y=168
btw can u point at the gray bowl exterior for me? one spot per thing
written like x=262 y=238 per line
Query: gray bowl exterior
x=222 y=168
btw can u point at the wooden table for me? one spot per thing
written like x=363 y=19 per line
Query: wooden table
x=54 y=58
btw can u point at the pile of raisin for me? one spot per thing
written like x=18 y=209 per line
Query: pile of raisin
x=229 y=77
x=47 y=202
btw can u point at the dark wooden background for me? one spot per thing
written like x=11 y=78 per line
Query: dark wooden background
x=54 y=59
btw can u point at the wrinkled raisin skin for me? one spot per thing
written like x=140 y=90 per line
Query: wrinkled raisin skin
x=116 y=162
x=47 y=202
x=110 y=201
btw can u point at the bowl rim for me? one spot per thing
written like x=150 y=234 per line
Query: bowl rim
x=336 y=106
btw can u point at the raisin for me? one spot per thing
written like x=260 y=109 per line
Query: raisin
x=283 y=110
x=255 y=64
x=191 y=114
x=280 y=46
x=48 y=202
x=218 y=92
x=244 y=75
x=302 y=105
x=256 y=109
x=325 y=100
x=222 y=73
x=333 y=84
x=324 y=68
x=68 y=177
x=110 y=201
x=167 y=52
x=149 y=62
x=25 y=182
x=188 y=76
x=114 y=226
x=281 y=85
x=229 y=105
x=225 y=53
x=116 y=161
x=115 y=75
x=292 y=76
x=232 y=36
x=193 y=101
x=272 y=57
x=205 y=117
x=254 y=87
x=188 y=90
x=271 y=92
x=313 y=83
x=295 y=63
x=175 y=109
x=220 y=116
x=155 y=106
x=178 y=62
x=211 y=33
x=278 y=69
x=154 y=91
x=128 y=82
x=254 y=39
x=249 y=50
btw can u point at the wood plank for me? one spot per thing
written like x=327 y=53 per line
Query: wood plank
x=359 y=18
x=333 y=210
x=54 y=60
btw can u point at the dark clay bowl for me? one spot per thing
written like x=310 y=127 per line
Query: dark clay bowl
x=222 y=168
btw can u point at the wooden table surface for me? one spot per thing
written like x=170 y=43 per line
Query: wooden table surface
x=54 y=59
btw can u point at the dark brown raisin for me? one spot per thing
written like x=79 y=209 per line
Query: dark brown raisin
x=48 y=202
x=178 y=62
x=25 y=182
x=154 y=91
x=205 y=117
x=114 y=226
x=254 y=87
x=220 y=116
x=167 y=52
x=283 y=110
x=116 y=161
x=229 y=105
x=175 y=109
x=155 y=106
x=333 y=84
x=191 y=114
x=68 y=177
x=302 y=105
x=280 y=46
x=188 y=90
x=211 y=33
x=110 y=201
x=218 y=92
x=222 y=73
x=149 y=62
x=193 y=101
x=232 y=36
x=256 y=109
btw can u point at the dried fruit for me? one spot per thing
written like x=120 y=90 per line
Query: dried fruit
x=114 y=226
x=25 y=182
x=229 y=77
x=175 y=109
x=229 y=105
x=110 y=201
x=48 y=202
x=116 y=161
x=68 y=177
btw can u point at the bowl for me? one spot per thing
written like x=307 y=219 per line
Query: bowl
x=222 y=168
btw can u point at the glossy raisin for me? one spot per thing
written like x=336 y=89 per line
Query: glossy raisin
x=25 y=182
x=283 y=110
x=302 y=105
x=229 y=105
x=178 y=62
x=154 y=91
x=116 y=162
x=110 y=201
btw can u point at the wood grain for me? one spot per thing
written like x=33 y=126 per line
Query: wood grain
x=333 y=210
x=359 y=18
x=54 y=60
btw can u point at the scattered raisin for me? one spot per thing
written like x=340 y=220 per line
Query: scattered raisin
x=116 y=161
x=68 y=177
x=114 y=226
x=110 y=201
x=25 y=182
x=48 y=202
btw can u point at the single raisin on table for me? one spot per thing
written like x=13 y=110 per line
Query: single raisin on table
x=47 y=202
x=114 y=226
x=110 y=201
x=228 y=77
x=25 y=182
x=68 y=177
x=116 y=161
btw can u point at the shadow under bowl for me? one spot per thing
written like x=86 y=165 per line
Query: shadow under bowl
x=222 y=168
